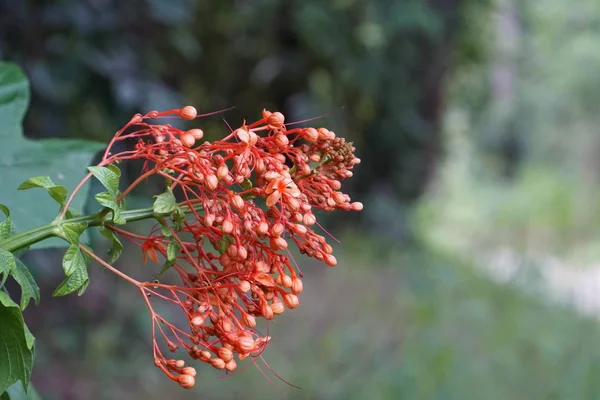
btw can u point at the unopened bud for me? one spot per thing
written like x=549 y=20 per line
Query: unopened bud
x=225 y=354
x=266 y=310
x=187 y=140
x=196 y=133
x=186 y=381
x=188 y=112
x=329 y=260
x=211 y=181
x=276 y=119
x=278 y=308
x=217 y=362
x=297 y=286
x=291 y=300
x=230 y=365
x=237 y=202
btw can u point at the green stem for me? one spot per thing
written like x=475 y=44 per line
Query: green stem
x=53 y=229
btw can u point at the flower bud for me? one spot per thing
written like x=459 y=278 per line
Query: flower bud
x=281 y=140
x=286 y=281
x=196 y=133
x=249 y=320
x=357 y=206
x=227 y=226
x=244 y=286
x=246 y=344
x=310 y=134
x=309 y=219
x=186 y=381
x=278 y=308
x=277 y=229
x=266 y=310
x=297 y=286
x=330 y=260
x=209 y=220
x=187 y=140
x=222 y=171
x=225 y=354
x=291 y=300
x=276 y=119
x=238 y=202
x=191 y=371
x=188 y=112
x=262 y=228
x=278 y=243
x=211 y=181
x=197 y=321
x=217 y=362
x=230 y=365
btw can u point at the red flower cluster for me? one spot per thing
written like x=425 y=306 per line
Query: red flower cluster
x=243 y=198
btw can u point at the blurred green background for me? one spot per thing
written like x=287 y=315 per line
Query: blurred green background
x=473 y=271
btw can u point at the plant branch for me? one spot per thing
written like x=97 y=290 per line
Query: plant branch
x=53 y=229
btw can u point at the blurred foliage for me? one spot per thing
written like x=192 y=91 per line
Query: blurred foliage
x=522 y=165
x=379 y=66
x=412 y=325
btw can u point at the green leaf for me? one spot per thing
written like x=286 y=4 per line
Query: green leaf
x=63 y=160
x=57 y=192
x=73 y=230
x=79 y=280
x=108 y=200
x=116 y=248
x=165 y=202
x=16 y=349
x=16 y=391
x=166 y=231
x=73 y=260
x=109 y=177
x=6 y=227
x=7 y=264
x=29 y=289
x=172 y=249
x=224 y=243
x=75 y=268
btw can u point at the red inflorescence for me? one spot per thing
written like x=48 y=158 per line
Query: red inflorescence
x=243 y=198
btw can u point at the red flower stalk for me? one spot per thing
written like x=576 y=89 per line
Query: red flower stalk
x=244 y=197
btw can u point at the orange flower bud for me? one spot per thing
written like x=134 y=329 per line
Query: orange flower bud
x=225 y=354
x=191 y=371
x=266 y=310
x=249 y=320
x=196 y=133
x=246 y=344
x=230 y=365
x=217 y=362
x=186 y=381
x=278 y=308
x=211 y=181
x=291 y=300
x=276 y=119
x=237 y=202
x=330 y=260
x=188 y=112
x=286 y=281
x=187 y=140
x=297 y=286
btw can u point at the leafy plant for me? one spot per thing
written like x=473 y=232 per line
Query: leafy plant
x=228 y=211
